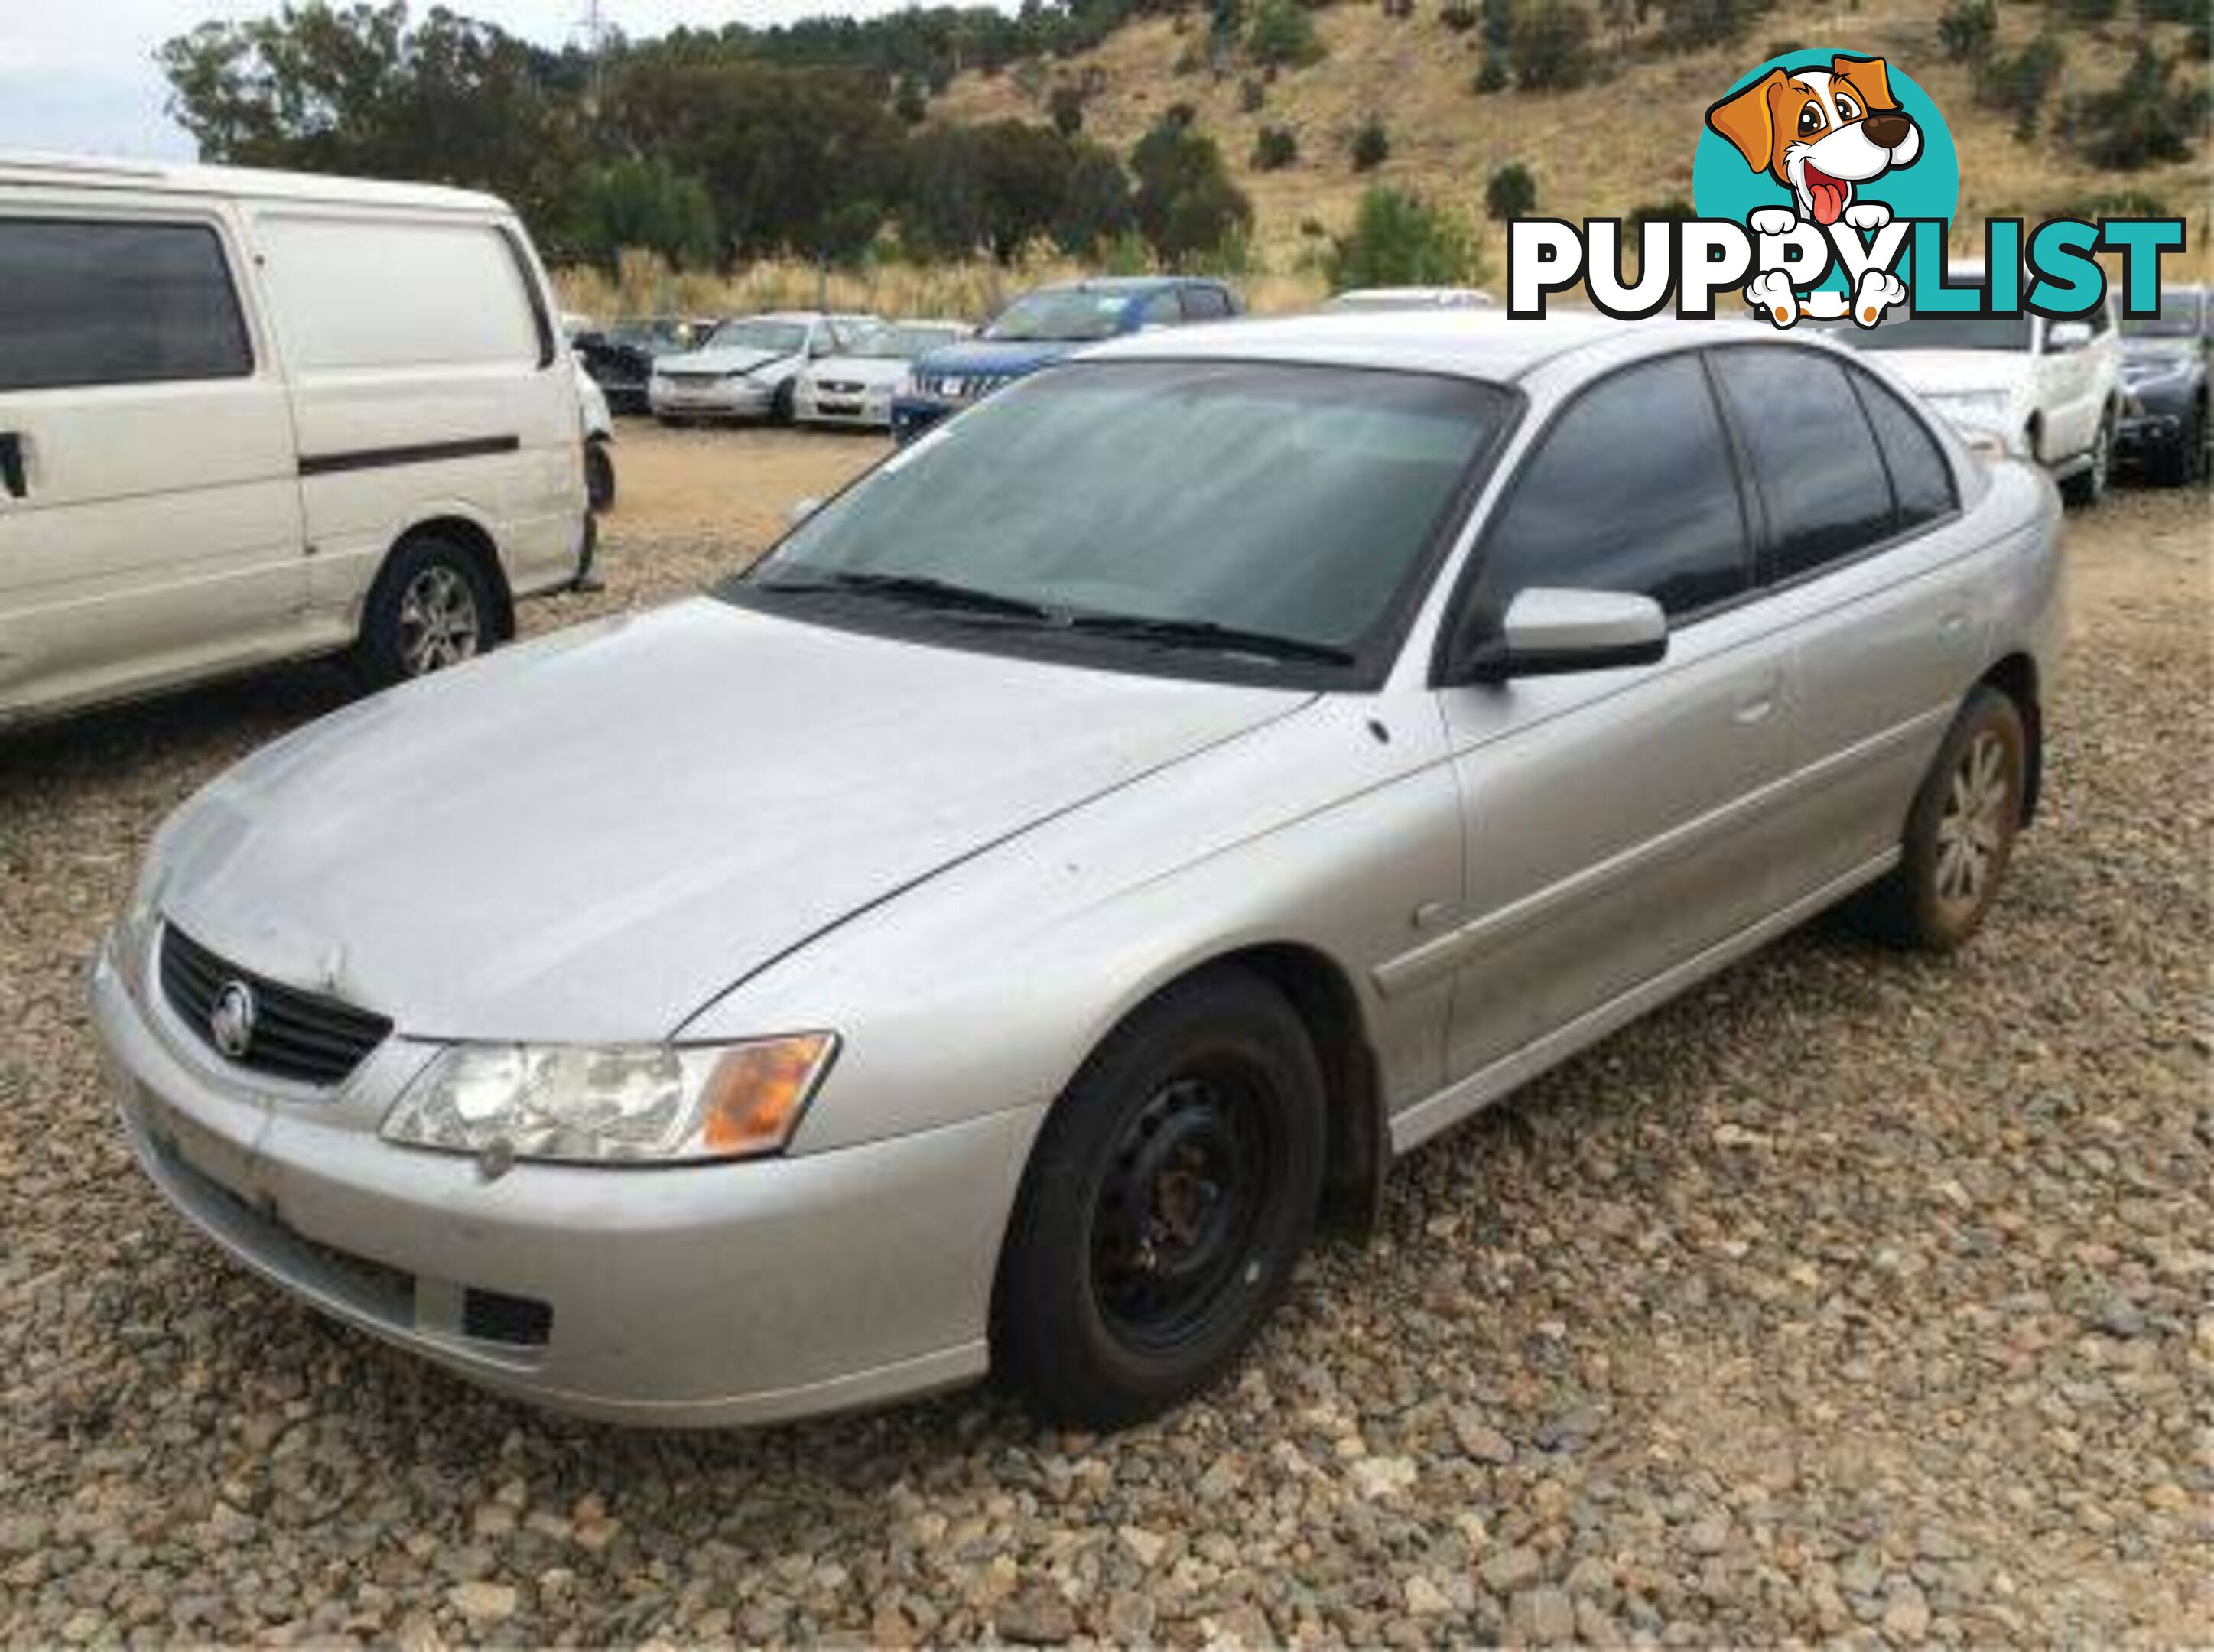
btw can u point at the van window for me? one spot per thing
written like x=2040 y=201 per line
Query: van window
x=353 y=293
x=86 y=303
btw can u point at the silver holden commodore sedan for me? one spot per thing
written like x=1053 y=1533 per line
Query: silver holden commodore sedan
x=989 y=931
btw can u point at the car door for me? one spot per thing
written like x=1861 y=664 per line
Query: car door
x=1877 y=581
x=2066 y=400
x=150 y=502
x=1610 y=816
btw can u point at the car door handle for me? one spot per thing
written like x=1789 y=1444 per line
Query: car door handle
x=12 y=465
x=1953 y=624
x=1754 y=708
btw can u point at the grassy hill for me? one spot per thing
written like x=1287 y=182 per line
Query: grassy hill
x=1605 y=148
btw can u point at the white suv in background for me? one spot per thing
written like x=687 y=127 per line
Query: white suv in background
x=2030 y=389
x=249 y=416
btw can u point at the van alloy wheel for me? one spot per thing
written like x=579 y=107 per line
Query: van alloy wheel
x=439 y=625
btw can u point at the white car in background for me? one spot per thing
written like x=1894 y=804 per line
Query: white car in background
x=748 y=366
x=856 y=387
x=1390 y=298
x=2030 y=389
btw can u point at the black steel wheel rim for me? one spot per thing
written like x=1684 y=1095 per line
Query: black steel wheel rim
x=1174 y=1220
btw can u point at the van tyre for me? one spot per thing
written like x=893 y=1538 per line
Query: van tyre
x=599 y=475
x=2089 y=485
x=1171 y=1192
x=430 y=607
x=1959 y=834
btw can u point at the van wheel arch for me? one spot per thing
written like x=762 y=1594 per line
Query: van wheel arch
x=473 y=538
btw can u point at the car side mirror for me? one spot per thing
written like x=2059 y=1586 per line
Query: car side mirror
x=2068 y=335
x=1550 y=631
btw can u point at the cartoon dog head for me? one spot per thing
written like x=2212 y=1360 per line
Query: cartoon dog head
x=1819 y=131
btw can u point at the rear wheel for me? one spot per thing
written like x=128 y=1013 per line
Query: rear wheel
x=1169 y=1195
x=1959 y=834
x=430 y=607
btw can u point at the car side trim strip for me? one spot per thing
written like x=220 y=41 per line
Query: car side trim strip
x=1417 y=1124
x=415 y=453
x=1420 y=966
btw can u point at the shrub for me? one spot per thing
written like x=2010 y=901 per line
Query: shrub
x=1552 y=44
x=1492 y=77
x=1498 y=23
x=912 y=101
x=1399 y=240
x=1687 y=25
x=2018 y=83
x=1252 y=95
x=2092 y=12
x=1459 y=15
x=1674 y=209
x=2143 y=120
x=1065 y=106
x=1511 y=194
x=1275 y=148
x=1967 y=29
x=1185 y=203
x=1312 y=229
x=1283 y=32
x=1372 y=145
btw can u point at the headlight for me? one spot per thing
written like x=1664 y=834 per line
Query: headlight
x=1978 y=407
x=658 y=1103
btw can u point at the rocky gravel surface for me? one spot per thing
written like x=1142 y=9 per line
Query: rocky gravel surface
x=1852 y=1298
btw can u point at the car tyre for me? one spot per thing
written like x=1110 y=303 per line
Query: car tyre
x=779 y=404
x=599 y=475
x=430 y=607
x=1167 y=1200
x=2089 y=485
x=2182 y=462
x=1959 y=834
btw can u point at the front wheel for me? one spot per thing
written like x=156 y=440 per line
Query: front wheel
x=1959 y=834
x=780 y=404
x=599 y=475
x=430 y=607
x=2089 y=485
x=1171 y=1192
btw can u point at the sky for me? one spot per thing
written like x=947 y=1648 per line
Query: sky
x=79 y=76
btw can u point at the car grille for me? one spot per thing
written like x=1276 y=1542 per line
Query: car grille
x=963 y=387
x=295 y=1035
x=839 y=387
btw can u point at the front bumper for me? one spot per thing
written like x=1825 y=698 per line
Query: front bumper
x=668 y=1296
x=864 y=411
x=721 y=398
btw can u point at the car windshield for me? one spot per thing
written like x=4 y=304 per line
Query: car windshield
x=903 y=343
x=1938 y=332
x=1286 y=506
x=2180 y=317
x=756 y=333
x=1060 y=314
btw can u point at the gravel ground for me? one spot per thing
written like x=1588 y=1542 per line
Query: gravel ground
x=1852 y=1297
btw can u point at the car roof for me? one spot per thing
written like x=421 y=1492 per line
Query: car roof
x=1483 y=344
x=1133 y=284
x=53 y=171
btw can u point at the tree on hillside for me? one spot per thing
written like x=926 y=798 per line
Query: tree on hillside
x=1186 y=207
x=646 y=204
x=1398 y=239
x=1512 y=193
x=1283 y=35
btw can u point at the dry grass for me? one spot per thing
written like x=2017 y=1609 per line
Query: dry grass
x=1601 y=150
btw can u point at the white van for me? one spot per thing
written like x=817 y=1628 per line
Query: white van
x=250 y=416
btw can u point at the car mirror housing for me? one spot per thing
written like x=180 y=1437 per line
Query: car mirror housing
x=1550 y=631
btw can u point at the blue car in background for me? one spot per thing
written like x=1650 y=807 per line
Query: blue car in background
x=1041 y=326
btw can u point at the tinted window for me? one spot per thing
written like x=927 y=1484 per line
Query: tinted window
x=1205 y=304
x=1815 y=462
x=115 y=304
x=1630 y=490
x=1921 y=480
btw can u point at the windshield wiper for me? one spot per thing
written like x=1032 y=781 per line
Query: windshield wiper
x=1206 y=633
x=919 y=589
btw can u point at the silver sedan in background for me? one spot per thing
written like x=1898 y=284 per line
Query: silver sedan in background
x=991 y=931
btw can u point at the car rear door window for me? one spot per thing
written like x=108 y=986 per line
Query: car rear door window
x=1820 y=479
x=1921 y=479
x=86 y=303
x=1631 y=490
x=1205 y=304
